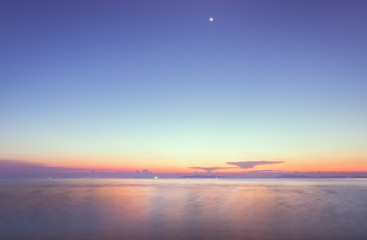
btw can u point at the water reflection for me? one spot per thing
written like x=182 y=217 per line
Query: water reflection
x=183 y=209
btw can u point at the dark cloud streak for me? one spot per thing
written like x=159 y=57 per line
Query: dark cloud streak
x=209 y=169
x=252 y=164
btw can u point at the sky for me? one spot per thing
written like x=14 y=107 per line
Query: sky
x=127 y=85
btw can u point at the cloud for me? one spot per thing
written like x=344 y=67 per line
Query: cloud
x=145 y=171
x=10 y=168
x=209 y=169
x=251 y=164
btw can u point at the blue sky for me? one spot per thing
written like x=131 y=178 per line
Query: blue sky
x=266 y=80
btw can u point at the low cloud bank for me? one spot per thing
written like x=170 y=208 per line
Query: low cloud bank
x=10 y=168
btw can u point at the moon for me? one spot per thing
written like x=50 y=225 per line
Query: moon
x=211 y=19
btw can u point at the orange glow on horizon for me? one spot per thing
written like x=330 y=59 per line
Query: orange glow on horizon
x=234 y=170
x=171 y=164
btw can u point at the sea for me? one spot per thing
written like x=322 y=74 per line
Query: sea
x=263 y=209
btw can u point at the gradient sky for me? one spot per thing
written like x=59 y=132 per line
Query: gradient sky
x=154 y=84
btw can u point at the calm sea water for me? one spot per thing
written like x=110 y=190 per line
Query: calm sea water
x=184 y=209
